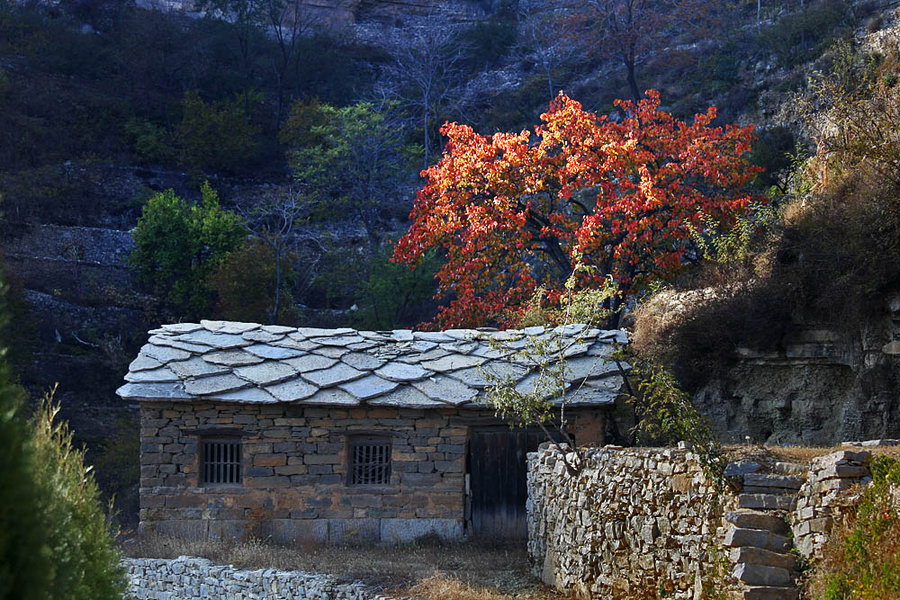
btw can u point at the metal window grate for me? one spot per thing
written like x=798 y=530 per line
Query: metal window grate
x=370 y=462
x=221 y=461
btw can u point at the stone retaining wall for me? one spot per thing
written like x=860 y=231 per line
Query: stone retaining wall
x=632 y=521
x=645 y=520
x=824 y=495
x=186 y=578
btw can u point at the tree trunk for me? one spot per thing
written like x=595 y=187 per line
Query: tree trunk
x=632 y=81
x=277 y=303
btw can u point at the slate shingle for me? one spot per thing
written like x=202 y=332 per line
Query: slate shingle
x=251 y=363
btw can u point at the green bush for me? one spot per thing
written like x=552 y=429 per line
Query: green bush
x=24 y=557
x=151 y=143
x=178 y=244
x=394 y=295
x=665 y=415
x=85 y=561
x=244 y=286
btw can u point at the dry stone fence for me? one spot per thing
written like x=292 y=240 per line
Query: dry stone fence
x=639 y=521
x=186 y=578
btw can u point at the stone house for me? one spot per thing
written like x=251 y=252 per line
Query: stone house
x=340 y=436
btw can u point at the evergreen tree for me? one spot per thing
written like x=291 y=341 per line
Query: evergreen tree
x=54 y=539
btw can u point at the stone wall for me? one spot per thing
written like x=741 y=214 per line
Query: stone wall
x=824 y=495
x=632 y=521
x=649 y=517
x=187 y=578
x=294 y=486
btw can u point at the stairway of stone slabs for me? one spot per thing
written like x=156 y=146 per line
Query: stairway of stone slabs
x=757 y=536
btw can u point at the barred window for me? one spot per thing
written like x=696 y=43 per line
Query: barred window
x=370 y=460
x=220 y=461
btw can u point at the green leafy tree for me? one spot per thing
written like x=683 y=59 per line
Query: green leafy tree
x=394 y=295
x=85 y=560
x=355 y=161
x=216 y=136
x=178 y=244
x=24 y=558
x=546 y=404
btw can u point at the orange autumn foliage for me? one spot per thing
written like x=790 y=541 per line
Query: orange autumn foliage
x=514 y=212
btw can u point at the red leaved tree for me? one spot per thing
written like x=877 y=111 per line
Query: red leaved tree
x=514 y=212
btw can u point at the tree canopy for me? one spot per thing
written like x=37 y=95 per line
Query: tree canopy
x=177 y=246
x=585 y=194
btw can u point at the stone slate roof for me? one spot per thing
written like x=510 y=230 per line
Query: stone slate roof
x=251 y=363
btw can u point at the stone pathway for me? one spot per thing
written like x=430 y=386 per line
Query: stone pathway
x=757 y=535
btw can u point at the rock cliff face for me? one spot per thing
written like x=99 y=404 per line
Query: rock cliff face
x=820 y=387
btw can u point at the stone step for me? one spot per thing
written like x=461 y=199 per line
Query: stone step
x=789 y=468
x=755 y=489
x=763 y=575
x=771 y=593
x=767 y=501
x=764 y=480
x=844 y=471
x=758 y=538
x=758 y=556
x=741 y=468
x=754 y=519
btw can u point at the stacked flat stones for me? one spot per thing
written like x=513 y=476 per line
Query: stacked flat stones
x=265 y=364
x=631 y=522
x=756 y=534
x=824 y=496
x=187 y=578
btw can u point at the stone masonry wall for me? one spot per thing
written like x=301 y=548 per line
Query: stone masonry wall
x=632 y=521
x=188 y=578
x=648 y=516
x=294 y=479
x=295 y=460
x=823 y=496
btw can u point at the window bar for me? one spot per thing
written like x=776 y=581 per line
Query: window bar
x=232 y=474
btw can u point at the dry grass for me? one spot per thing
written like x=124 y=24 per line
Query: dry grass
x=427 y=571
x=441 y=586
x=800 y=454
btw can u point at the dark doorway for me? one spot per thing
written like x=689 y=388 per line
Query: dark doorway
x=496 y=481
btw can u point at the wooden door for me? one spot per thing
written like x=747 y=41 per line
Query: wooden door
x=497 y=490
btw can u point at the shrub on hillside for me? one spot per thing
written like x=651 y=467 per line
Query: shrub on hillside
x=178 y=244
x=216 y=136
x=244 y=286
x=862 y=558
